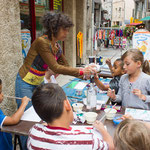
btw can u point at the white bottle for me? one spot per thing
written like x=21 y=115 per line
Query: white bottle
x=91 y=97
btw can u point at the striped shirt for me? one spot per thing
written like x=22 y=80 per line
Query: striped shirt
x=56 y=138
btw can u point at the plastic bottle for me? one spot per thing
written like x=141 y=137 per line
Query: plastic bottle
x=91 y=95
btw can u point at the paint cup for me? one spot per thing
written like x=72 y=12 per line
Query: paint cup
x=77 y=107
x=110 y=114
x=97 y=60
x=90 y=117
x=78 y=92
x=91 y=59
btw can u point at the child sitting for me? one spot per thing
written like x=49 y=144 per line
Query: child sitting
x=134 y=86
x=117 y=70
x=6 y=138
x=132 y=135
x=53 y=107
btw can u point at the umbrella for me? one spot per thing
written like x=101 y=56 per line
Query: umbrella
x=145 y=18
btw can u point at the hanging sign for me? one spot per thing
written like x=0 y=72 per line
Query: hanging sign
x=141 y=41
x=80 y=44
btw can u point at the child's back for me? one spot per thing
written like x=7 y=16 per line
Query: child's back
x=58 y=138
x=51 y=104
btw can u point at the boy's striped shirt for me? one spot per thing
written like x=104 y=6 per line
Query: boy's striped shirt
x=55 y=138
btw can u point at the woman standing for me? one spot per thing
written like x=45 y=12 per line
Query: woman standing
x=46 y=52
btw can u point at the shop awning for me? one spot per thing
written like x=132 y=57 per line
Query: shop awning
x=133 y=24
x=145 y=18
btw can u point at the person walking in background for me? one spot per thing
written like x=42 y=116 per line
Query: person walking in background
x=134 y=86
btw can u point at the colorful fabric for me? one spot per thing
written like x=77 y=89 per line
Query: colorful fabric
x=5 y=138
x=56 y=138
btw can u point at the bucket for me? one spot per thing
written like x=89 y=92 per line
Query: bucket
x=91 y=59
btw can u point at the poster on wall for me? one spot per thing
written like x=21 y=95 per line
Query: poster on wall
x=141 y=41
x=26 y=41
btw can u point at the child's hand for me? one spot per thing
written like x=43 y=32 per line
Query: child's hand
x=108 y=62
x=96 y=76
x=138 y=93
x=127 y=116
x=25 y=100
x=99 y=126
x=111 y=94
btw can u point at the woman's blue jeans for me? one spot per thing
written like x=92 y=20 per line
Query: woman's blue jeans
x=23 y=89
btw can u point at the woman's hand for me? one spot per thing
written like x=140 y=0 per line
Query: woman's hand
x=111 y=94
x=89 y=70
x=138 y=93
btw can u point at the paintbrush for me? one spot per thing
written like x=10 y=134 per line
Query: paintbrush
x=13 y=97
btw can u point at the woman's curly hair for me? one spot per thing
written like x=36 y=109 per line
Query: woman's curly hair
x=52 y=22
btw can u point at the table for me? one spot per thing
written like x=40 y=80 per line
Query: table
x=23 y=127
x=70 y=91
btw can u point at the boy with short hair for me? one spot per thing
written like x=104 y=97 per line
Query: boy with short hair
x=53 y=107
x=6 y=138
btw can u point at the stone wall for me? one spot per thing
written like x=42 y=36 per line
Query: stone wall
x=70 y=42
x=10 y=50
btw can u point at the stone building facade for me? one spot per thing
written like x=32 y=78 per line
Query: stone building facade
x=10 y=50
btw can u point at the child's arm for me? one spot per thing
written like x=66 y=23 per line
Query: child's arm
x=108 y=62
x=100 y=84
x=106 y=137
x=111 y=94
x=15 y=118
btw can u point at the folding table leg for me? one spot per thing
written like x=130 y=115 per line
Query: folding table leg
x=19 y=142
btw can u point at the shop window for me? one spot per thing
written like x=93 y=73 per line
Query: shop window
x=25 y=15
x=41 y=6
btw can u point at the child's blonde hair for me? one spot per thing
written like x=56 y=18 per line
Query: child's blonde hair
x=137 y=56
x=132 y=135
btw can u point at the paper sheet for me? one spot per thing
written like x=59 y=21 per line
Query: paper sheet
x=30 y=115
x=138 y=114
x=80 y=85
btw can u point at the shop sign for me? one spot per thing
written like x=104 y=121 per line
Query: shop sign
x=141 y=41
x=57 y=5
x=26 y=41
x=137 y=21
x=24 y=8
x=39 y=10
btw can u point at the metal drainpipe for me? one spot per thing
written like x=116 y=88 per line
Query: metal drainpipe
x=92 y=28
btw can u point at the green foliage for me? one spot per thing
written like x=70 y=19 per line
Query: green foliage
x=115 y=26
x=128 y=32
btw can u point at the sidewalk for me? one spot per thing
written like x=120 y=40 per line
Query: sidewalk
x=105 y=53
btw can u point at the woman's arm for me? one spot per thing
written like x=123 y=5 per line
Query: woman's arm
x=43 y=48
